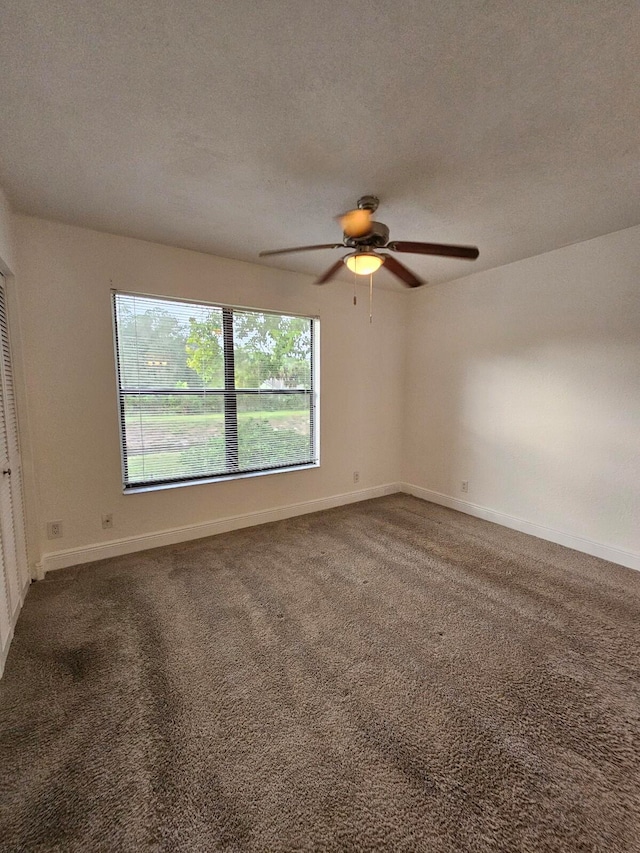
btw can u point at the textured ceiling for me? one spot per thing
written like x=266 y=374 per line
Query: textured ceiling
x=236 y=126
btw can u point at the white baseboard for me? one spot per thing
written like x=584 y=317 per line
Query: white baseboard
x=596 y=549
x=117 y=547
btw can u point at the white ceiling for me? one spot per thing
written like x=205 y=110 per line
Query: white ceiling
x=240 y=125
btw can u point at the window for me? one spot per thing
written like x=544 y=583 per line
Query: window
x=208 y=391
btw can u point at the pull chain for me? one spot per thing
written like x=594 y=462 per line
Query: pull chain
x=371 y=297
x=355 y=280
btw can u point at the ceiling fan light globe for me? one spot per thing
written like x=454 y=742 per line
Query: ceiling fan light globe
x=363 y=263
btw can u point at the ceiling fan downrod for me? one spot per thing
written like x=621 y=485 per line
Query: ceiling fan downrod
x=368 y=202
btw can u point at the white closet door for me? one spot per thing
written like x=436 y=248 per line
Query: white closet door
x=6 y=623
x=13 y=551
x=15 y=461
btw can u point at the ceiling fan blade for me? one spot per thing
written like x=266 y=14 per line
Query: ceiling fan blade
x=329 y=273
x=355 y=223
x=468 y=253
x=301 y=249
x=399 y=270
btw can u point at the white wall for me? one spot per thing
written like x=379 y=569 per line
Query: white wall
x=66 y=274
x=525 y=381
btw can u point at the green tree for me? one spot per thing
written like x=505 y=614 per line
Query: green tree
x=268 y=349
x=157 y=338
x=204 y=348
x=271 y=349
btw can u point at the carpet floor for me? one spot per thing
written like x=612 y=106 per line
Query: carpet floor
x=386 y=676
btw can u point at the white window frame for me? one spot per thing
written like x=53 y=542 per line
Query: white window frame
x=228 y=393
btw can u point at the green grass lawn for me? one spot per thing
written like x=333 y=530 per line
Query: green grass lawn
x=201 y=418
x=197 y=450
x=154 y=464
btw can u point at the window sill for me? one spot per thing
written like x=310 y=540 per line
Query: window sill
x=136 y=490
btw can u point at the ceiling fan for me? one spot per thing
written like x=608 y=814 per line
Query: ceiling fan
x=367 y=238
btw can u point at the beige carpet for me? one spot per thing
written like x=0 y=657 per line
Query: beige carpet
x=388 y=676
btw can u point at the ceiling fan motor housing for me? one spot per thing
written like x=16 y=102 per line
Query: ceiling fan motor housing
x=378 y=236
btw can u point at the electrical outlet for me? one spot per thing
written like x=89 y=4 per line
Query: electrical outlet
x=107 y=521
x=356 y=476
x=465 y=485
x=54 y=529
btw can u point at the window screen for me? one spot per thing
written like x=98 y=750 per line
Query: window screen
x=210 y=391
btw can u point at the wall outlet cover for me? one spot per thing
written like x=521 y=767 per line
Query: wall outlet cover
x=54 y=529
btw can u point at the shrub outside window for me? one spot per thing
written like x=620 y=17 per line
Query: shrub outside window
x=208 y=392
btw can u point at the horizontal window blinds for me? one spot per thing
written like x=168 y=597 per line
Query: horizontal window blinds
x=211 y=391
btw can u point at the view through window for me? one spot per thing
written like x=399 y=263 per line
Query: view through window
x=210 y=391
